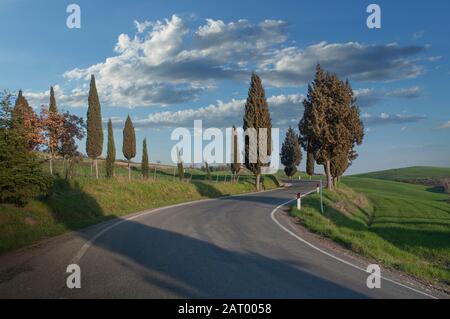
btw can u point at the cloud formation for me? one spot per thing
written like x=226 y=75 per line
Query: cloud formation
x=369 y=97
x=386 y=118
x=285 y=110
x=445 y=125
x=165 y=62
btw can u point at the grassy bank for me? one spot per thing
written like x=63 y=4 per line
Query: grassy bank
x=83 y=202
x=403 y=226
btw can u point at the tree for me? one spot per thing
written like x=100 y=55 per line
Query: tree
x=208 y=172
x=258 y=130
x=94 y=141
x=144 y=165
x=236 y=161
x=111 y=152
x=73 y=128
x=291 y=154
x=52 y=106
x=338 y=167
x=20 y=175
x=129 y=143
x=180 y=165
x=52 y=124
x=310 y=162
x=27 y=123
x=331 y=124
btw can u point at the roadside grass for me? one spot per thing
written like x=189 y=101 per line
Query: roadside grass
x=403 y=226
x=82 y=202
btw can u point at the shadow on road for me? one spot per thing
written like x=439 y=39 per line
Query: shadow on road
x=162 y=261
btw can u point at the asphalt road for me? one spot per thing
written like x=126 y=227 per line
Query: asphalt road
x=225 y=248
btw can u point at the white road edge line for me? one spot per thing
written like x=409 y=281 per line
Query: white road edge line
x=91 y=241
x=272 y=215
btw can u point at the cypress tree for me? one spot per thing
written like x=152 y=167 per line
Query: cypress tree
x=54 y=127
x=236 y=162
x=144 y=165
x=94 y=141
x=129 y=143
x=52 y=106
x=310 y=161
x=111 y=152
x=331 y=123
x=291 y=154
x=180 y=165
x=208 y=172
x=257 y=117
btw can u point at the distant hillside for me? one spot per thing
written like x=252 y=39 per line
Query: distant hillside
x=417 y=172
x=418 y=175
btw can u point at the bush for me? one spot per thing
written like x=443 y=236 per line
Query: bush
x=21 y=177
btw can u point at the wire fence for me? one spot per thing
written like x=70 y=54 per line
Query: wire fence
x=84 y=169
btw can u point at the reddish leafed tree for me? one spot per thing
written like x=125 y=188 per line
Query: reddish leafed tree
x=73 y=129
x=27 y=123
x=53 y=125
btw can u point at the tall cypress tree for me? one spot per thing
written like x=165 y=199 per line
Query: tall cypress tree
x=144 y=165
x=291 y=154
x=111 y=152
x=52 y=106
x=235 y=158
x=180 y=165
x=129 y=143
x=257 y=118
x=55 y=125
x=94 y=141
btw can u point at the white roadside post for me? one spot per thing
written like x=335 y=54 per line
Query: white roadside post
x=299 y=201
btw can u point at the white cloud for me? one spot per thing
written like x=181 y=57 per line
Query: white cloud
x=445 y=125
x=386 y=118
x=367 y=97
x=409 y=93
x=76 y=97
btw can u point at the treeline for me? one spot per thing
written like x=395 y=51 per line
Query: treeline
x=328 y=132
x=94 y=141
x=26 y=135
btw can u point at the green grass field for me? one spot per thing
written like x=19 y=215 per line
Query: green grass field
x=410 y=173
x=83 y=201
x=403 y=226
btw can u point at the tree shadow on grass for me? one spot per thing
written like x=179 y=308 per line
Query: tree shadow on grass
x=74 y=208
x=405 y=238
x=436 y=190
x=207 y=189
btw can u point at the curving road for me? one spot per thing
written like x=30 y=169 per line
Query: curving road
x=224 y=248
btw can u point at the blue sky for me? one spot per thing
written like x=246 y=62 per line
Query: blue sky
x=167 y=63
